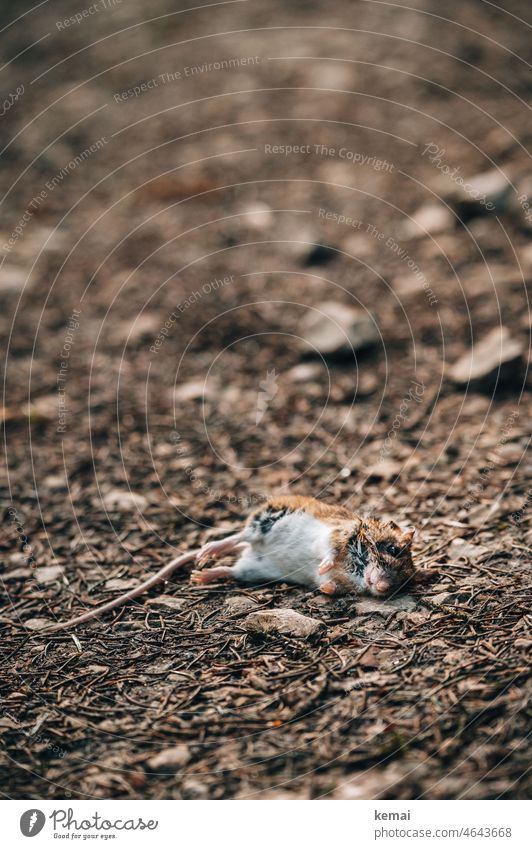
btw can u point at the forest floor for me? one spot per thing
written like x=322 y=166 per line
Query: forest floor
x=163 y=249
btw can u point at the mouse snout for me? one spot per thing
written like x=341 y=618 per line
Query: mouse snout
x=377 y=582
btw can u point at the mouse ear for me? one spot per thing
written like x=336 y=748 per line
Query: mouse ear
x=393 y=525
x=407 y=534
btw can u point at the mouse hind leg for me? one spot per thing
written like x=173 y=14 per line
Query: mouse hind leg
x=220 y=547
x=248 y=567
x=209 y=576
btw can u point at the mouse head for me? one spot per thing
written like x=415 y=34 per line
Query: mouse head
x=380 y=557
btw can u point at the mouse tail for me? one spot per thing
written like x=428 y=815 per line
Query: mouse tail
x=146 y=585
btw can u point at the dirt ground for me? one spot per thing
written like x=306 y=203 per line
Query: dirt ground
x=181 y=190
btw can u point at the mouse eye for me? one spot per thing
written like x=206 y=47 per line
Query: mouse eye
x=393 y=550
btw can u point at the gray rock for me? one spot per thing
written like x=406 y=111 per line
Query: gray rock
x=442 y=598
x=483 y=194
x=165 y=602
x=141 y=328
x=170 y=760
x=191 y=788
x=461 y=548
x=55 y=482
x=192 y=390
x=407 y=285
x=13 y=279
x=38 y=624
x=282 y=621
x=18 y=558
x=495 y=361
x=118 y=499
x=429 y=219
x=43 y=409
x=385 y=606
x=304 y=372
x=236 y=605
x=257 y=216
x=384 y=470
x=379 y=782
x=450 y=598
x=120 y=584
x=48 y=574
x=337 y=330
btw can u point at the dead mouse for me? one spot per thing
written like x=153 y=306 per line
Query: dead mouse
x=303 y=541
x=299 y=540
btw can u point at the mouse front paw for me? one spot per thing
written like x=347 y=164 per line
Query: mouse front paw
x=326 y=565
x=330 y=588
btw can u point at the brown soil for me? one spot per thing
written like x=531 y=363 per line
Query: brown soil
x=421 y=696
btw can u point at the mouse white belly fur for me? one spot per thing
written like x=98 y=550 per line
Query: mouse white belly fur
x=291 y=551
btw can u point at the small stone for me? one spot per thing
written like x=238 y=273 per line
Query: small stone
x=494 y=362
x=484 y=194
x=235 y=605
x=191 y=788
x=258 y=216
x=448 y=598
x=55 y=482
x=510 y=454
x=190 y=391
x=41 y=240
x=120 y=584
x=383 y=607
x=37 y=624
x=333 y=76
x=43 y=409
x=48 y=574
x=321 y=601
x=461 y=548
x=119 y=499
x=406 y=285
x=282 y=621
x=165 y=602
x=442 y=598
x=359 y=245
x=142 y=327
x=499 y=142
x=13 y=279
x=384 y=470
x=414 y=617
x=430 y=219
x=366 y=385
x=337 y=330
x=170 y=760
x=159 y=667
x=304 y=372
x=376 y=783
x=18 y=558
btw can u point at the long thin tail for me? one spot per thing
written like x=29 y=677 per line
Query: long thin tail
x=146 y=585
